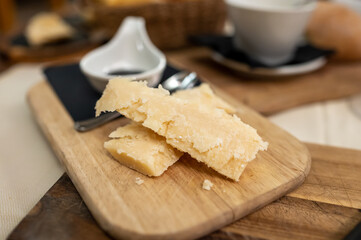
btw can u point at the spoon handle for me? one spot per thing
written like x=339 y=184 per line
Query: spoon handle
x=86 y=125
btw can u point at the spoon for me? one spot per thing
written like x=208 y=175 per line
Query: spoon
x=179 y=81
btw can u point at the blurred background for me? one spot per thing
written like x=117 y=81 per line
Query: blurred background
x=73 y=27
x=79 y=25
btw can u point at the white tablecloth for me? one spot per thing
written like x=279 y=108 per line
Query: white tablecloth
x=330 y=123
x=28 y=168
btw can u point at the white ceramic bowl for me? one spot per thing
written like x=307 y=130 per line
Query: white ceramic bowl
x=129 y=50
x=269 y=30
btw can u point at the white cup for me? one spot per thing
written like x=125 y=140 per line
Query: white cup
x=269 y=30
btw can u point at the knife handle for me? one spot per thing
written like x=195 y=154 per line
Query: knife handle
x=89 y=124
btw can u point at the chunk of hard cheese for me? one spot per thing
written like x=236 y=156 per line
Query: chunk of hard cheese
x=141 y=149
x=205 y=96
x=137 y=147
x=208 y=134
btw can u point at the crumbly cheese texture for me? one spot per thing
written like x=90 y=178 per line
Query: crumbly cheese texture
x=204 y=95
x=207 y=185
x=141 y=149
x=47 y=27
x=139 y=181
x=208 y=134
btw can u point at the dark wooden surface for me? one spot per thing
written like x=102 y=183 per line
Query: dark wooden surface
x=307 y=213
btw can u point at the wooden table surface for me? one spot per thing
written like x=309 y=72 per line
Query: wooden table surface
x=326 y=206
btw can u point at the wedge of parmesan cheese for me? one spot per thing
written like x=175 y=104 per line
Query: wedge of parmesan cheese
x=141 y=149
x=208 y=134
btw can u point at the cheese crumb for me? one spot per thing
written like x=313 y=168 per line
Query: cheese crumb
x=207 y=185
x=139 y=181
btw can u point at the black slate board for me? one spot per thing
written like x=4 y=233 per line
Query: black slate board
x=76 y=93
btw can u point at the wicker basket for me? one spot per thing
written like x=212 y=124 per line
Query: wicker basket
x=169 y=23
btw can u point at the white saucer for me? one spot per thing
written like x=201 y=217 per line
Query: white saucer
x=287 y=70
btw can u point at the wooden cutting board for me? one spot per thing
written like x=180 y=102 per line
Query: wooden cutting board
x=326 y=206
x=173 y=206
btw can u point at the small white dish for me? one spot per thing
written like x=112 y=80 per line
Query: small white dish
x=129 y=54
x=269 y=30
x=286 y=70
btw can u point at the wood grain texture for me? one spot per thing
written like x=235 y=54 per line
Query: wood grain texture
x=333 y=178
x=173 y=206
x=269 y=96
x=292 y=218
x=288 y=218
